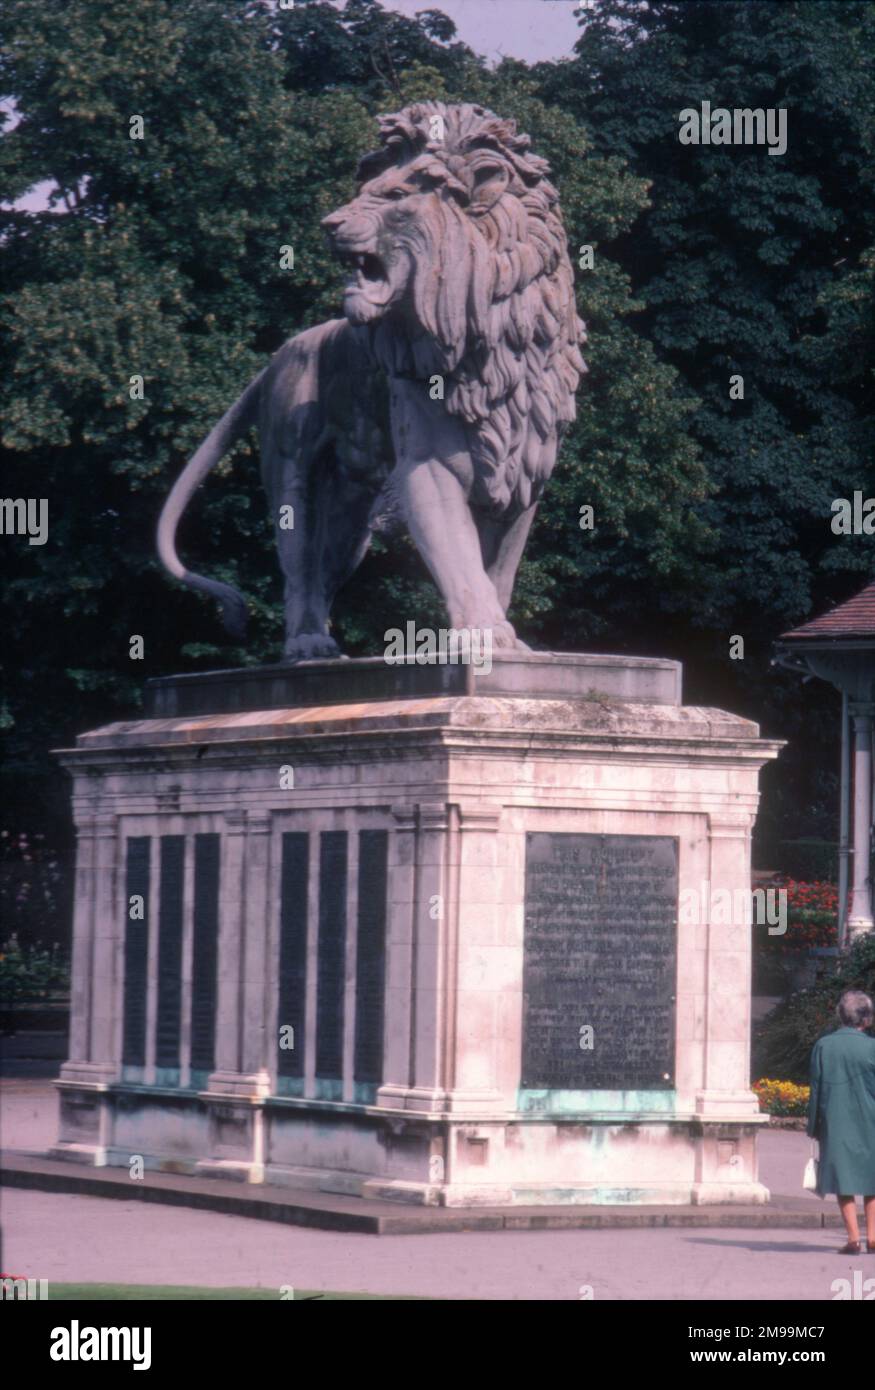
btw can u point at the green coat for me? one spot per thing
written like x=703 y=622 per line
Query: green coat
x=841 y=1112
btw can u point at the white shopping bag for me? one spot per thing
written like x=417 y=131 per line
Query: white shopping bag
x=809 y=1177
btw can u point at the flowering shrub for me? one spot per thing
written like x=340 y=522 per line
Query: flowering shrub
x=781 y=1097
x=812 y=913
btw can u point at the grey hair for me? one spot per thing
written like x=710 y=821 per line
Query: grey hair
x=855 y=1009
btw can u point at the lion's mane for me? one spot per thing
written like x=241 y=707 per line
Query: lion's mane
x=493 y=295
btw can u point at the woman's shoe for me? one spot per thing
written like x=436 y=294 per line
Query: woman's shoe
x=853 y=1247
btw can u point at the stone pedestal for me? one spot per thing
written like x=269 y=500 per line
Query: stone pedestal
x=307 y=943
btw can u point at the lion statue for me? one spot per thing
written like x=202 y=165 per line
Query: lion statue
x=437 y=402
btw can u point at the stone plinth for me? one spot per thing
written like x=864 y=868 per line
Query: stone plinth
x=300 y=941
x=533 y=675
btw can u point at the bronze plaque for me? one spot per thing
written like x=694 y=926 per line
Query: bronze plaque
x=600 y=962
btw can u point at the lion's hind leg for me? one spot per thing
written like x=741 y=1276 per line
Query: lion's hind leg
x=502 y=542
x=334 y=536
x=321 y=483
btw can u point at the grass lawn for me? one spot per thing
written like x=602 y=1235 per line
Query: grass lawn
x=140 y=1292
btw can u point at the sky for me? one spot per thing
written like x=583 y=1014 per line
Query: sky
x=533 y=30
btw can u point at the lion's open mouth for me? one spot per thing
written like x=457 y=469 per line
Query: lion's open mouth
x=369 y=269
x=372 y=282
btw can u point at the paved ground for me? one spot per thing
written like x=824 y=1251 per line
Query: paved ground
x=85 y=1239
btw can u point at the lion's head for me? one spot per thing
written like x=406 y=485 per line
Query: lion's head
x=461 y=269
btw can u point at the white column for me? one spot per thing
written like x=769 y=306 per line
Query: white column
x=186 y=962
x=83 y=927
x=485 y=948
x=94 y=983
x=726 y=1108
x=350 y=1001
x=109 y=920
x=428 y=1082
x=256 y=1049
x=416 y=976
x=239 y=1034
x=725 y=1091
x=401 y=892
x=860 y=919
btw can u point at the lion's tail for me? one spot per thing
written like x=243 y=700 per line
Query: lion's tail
x=238 y=419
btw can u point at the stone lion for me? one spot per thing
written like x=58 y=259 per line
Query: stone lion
x=438 y=401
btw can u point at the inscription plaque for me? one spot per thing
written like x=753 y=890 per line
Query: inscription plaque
x=204 y=951
x=601 y=955
x=331 y=967
x=293 y=950
x=136 y=954
x=371 y=955
x=169 y=1011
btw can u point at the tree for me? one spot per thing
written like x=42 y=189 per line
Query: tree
x=162 y=257
x=159 y=259
x=733 y=257
x=738 y=264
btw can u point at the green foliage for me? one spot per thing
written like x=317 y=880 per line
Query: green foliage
x=29 y=974
x=784 y=1039
x=628 y=455
x=165 y=263
x=368 y=50
x=34 y=890
x=809 y=859
x=160 y=257
x=746 y=263
x=737 y=260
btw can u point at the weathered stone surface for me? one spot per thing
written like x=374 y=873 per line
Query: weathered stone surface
x=530 y=675
x=438 y=402
x=455 y=784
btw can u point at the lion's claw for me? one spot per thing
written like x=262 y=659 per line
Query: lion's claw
x=311 y=646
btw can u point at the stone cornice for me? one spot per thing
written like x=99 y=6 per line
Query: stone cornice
x=455 y=727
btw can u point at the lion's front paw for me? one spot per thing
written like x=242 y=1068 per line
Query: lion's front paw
x=505 y=639
x=310 y=646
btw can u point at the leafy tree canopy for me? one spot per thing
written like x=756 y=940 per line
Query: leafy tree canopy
x=160 y=257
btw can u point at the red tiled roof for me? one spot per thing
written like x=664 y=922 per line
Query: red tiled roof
x=854 y=618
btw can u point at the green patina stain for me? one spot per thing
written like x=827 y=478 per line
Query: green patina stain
x=290 y=1086
x=328 y=1090
x=602 y=1106
x=592 y=1197
x=364 y=1093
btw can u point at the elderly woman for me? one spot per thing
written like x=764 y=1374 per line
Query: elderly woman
x=841 y=1115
